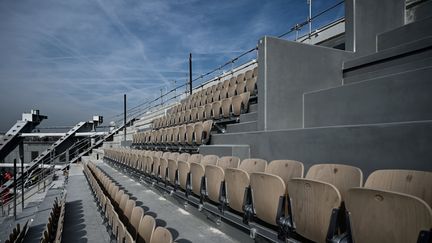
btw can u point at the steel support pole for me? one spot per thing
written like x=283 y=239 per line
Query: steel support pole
x=15 y=187
x=124 y=116
x=310 y=20
x=190 y=73
x=21 y=156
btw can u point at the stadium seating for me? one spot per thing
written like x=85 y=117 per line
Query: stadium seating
x=189 y=123
x=394 y=206
x=316 y=200
x=127 y=221
x=17 y=235
x=277 y=196
x=54 y=228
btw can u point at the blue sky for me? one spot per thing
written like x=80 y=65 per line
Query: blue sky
x=74 y=59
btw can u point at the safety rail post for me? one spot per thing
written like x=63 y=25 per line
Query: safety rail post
x=15 y=185
x=21 y=156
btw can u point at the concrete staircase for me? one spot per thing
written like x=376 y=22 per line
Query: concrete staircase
x=380 y=116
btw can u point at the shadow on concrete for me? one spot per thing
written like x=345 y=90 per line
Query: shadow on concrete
x=74 y=224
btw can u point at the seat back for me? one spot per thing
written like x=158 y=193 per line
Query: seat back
x=285 y=169
x=137 y=214
x=341 y=176
x=183 y=170
x=195 y=158
x=214 y=175
x=163 y=167
x=146 y=228
x=416 y=183
x=266 y=192
x=129 y=207
x=253 y=165
x=312 y=203
x=161 y=235
x=228 y=162
x=209 y=160
x=384 y=216
x=236 y=181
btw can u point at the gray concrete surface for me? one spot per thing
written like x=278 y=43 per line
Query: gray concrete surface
x=83 y=222
x=288 y=69
x=396 y=98
x=183 y=225
x=370 y=147
x=240 y=150
x=404 y=34
x=367 y=18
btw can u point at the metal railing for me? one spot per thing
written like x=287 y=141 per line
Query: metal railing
x=37 y=180
x=220 y=71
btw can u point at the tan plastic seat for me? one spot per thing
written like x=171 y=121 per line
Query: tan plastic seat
x=130 y=204
x=240 y=78
x=161 y=235
x=232 y=91
x=209 y=98
x=324 y=189
x=236 y=180
x=412 y=182
x=251 y=85
x=200 y=113
x=173 y=166
x=255 y=72
x=146 y=228
x=248 y=74
x=202 y=132
x=208 y=111
x=270 y=186
x=216 y=96
x=312 y=203
x=163 y=168
x=233 y=81
x=226 y=107
x=197 y=171
x=216 y=109
x=137 y=214
x=385 y=216
x=182 y=134
x=190 y=129
x=203 y=100
x=341 y=176
x=225 y=83
x=223 y=93
x=241 y=88
x=175 y=138
x=184 y=169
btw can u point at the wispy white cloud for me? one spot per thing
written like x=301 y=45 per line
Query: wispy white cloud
x=73 y=59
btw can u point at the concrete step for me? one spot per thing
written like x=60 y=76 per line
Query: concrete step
x=242 y=127
x=401 y=97
x=247 y=117
x=253 y=107
x=240 y=150
x=405 y=34
x=404 y=57
x=369 y=147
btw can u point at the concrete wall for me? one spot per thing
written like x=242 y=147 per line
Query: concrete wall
x=367 y=18
x=369 y=147
x=28 y=148
x=288 y=69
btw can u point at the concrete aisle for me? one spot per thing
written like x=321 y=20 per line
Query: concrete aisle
x=83 y=222
x=184 y=226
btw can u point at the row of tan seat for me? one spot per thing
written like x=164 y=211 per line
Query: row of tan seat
x=187 y=134
x=128 y=222
x=17 y=235
x=216 y=108
x=243 y=82
x=54 y=228
x=278 y=187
